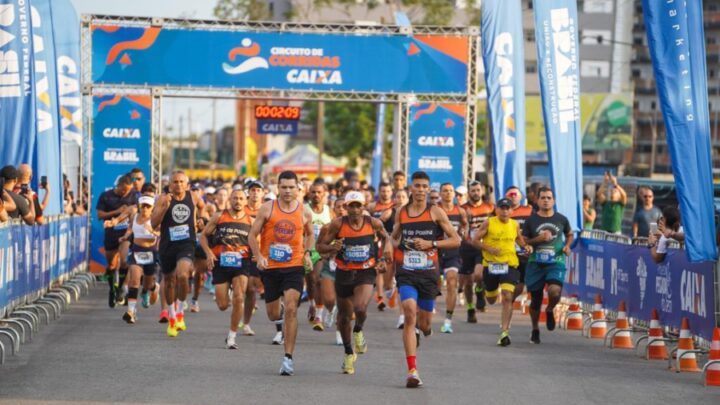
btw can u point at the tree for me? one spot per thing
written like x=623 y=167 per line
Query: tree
x=241 y=10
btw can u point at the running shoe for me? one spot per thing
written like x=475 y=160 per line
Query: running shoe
x=230 y=343
x=535 y=337
x=413 y=379
x=338 y=338
x=330 y=318
x=278 y=339
x=129 y=317
x=392 y=302
x=550 y=322
x=401 y=322
x=172 y=330
x=164 y=317
x=194 y=306
x=111 y=297
x=287 y=367
x=348 y=366
x=447 y=327
x=471 y=317
x=145 y=300
x=247 y=330
x=154 y=294
x=311 y=313
x=317 y=324
x=504 y=339
x=380 y=303
x=180 y=324
x=120 y=295
x=361 y=346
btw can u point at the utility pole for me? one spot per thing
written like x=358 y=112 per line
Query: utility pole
x=321 y=136
x=192 y=138
x=181 y=137
x=213 y=140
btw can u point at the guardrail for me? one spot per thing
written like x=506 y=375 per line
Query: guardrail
x=42 y=269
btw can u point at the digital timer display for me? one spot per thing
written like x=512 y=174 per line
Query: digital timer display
x=277 y=112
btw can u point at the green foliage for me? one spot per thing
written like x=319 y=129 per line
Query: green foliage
x=241 y=10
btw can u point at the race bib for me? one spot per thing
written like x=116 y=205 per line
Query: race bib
x=416 y=260
x=332 y=265
x=180 y=232
x=230 y=259
x=473 y=232
x=316 y=230
x=498 y=268
x=122 y=226
x=357 y=254
x=280 y=252
x=144 y=258
x=546 y=256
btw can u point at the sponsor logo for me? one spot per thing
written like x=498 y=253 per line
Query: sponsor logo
x=503 y=57
x=277 y=128
x=573 y=274
x=662 y=287
x=594 y=272
x=439 y=163
x=442 y=141
x=641 y=272
x=563 y=87
x=125 y=133
x=114 y=155
x=619 y=278
x=692 y=293
x=250 y=50
x=284 y=230
x=14 y=82
x=180 y=213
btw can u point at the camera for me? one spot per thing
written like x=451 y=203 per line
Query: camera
x=24 y=189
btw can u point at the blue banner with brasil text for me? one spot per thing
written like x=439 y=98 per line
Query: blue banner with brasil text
x=279 y=60
x=437 y=142
x=556 y=34
x=503 y=56
x=677 y=47
x=121 y=141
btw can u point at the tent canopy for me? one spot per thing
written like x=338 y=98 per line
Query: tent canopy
x=303 y=159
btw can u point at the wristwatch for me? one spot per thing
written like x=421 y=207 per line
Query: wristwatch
x=434 y=244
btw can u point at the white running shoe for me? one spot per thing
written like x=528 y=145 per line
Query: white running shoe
x=230 y=343
x=247 y=330
x=330 y=318
x=338 y=339
x=401 y=322
x=278 y=339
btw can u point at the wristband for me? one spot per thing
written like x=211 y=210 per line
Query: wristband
x=434 y=244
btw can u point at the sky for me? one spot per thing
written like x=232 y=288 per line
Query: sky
x=173 y=109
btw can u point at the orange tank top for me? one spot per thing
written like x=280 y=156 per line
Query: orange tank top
x=282 y=238
x=359 y=250
x=423 y=227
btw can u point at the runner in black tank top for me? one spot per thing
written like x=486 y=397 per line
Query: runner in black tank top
x=450 y=258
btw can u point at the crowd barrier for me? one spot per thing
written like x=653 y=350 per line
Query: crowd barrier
x=617 y=269
x=42 y=268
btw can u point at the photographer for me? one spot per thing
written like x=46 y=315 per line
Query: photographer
x=668 y=228
x=24 y=178
x=22 y=207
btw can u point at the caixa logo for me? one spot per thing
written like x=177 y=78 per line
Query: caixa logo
x=692 y=293
x=125 y=133
x=441 y=141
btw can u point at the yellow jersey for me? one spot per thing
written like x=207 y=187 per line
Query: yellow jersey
x=501 y=236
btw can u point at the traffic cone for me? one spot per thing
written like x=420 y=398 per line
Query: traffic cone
x=622 y=339
x=574 y=315
x=712 y=374
x=598 y=329
x=543 y=307
x=656 y=350
x=689 y=362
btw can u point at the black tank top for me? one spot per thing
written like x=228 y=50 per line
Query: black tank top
x=178 y=224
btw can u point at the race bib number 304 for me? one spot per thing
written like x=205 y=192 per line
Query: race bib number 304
x=230 y=259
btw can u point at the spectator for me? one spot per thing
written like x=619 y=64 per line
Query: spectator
x=24 y=178
x=532 y=195
x=138 y=179
x=434 y=197
x=589 y=214
x=612 y=198
x=399 y=180
x=668 y=229
x=22 y=206
x=461 y=194
x=646 y=215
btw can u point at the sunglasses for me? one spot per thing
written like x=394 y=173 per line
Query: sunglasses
x=512 y=194
x=145 y=206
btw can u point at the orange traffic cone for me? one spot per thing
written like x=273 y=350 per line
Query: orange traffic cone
x=622 y=339
x=543 y=307
x=656 y=349
x=574 y=315
x=712 y=374
x=687 y=362
x=598 y=329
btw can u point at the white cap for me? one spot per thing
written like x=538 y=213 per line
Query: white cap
x=210 y=190
x=355 y=196
x=146 y=200
x=270 y=196
x=461 y=190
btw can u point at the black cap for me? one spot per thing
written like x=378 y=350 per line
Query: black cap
x=9 y=173
x=254 y=184
x=504 y=202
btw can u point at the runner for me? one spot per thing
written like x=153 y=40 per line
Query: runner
x=229 y=256
x=497 y=238
x=176 y=214
x=378 y=210
x=354 y=240
x=544 y=230
x=321 y=216
x=285 y=229
x=471 y=270
x=144 y=258
x=450 y=258
x=400 y=199
x=111 y=205
x=520 y=213
x=418 y=236
x=255 y=194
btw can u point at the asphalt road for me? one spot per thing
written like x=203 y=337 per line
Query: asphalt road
x=91 y=356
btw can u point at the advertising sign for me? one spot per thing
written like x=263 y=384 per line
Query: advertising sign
x=263 y=60
x=437 y=142
x=121 y=141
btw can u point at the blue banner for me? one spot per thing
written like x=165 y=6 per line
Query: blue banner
x=294 y=61
x=121 y=141
x=504 y=59
x=677 y=46
x=32 y=257
x=17 y=92
x=675 y=287
x=47 y=146
x=437 y=142
x=66 y=28
x=277 y=127
x=556 y=34
x=377 y=163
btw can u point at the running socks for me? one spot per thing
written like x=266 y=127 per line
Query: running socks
x=357 y=328
x=448 y=315
x=171 y=314
x=279 y=325
x=288 y=355
x=411 y=362
x=232 y=334
x=470 y=306
x=348 y=348
x=132 y=299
